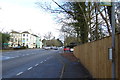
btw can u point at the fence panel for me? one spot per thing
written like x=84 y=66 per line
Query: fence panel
x=94 y=56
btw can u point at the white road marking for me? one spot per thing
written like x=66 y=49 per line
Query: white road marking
x=12 y=57
x=44 y=60
x=36 y=64
x=41 y=62
x=16 y=56
x=29 y=68
x=19 y=73
x=48 y=57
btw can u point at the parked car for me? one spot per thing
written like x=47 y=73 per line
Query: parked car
x=17 y=47
x=20 y=47
x=69 y=48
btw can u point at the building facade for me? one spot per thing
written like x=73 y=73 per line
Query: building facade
x=24 y=39
x=15 y=39
x=38 y=42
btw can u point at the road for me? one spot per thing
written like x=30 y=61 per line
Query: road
x=31 y=63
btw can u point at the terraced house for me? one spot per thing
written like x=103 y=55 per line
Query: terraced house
x=24 y=39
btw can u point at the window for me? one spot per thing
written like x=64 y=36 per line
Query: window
x=11 y=39
x=23 y=34
x=23 y=38
x=23 y=44
x=15 y=39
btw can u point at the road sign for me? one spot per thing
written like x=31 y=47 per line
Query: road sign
x=6 y=44
x=110 y=56
x=105 y=3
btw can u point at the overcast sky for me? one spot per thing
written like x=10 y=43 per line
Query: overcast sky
x=23 y=15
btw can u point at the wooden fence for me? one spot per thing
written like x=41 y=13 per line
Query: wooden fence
x=94 y=56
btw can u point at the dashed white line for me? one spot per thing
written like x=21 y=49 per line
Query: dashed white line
x=17 y=56
x=36 y=64
x=48 y=57
x=19 y=73
x=41 y=62
x=29 y=68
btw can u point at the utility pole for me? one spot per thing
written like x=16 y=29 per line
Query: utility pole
x=113 y=40
x=112 y=4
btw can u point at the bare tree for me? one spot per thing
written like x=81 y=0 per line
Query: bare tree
x=48 y=36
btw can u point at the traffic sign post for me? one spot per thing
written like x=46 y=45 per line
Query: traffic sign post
x=105 y=3
x=113 y=41
x=112 y=54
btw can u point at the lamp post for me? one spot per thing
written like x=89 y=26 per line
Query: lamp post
x=113 y=40
x=118 y=15
x=112 y=56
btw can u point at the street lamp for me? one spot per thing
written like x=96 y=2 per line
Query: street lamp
x=118 y=13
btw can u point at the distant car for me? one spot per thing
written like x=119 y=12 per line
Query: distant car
x=47 y=48
x=55 y=48
x=69 y=48
x=66 y=49
x=17 y=47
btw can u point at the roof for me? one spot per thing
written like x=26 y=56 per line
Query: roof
x=14 y=32
x=25 y=32
x=34 y=35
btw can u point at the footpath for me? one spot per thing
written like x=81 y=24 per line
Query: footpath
x=72 y=67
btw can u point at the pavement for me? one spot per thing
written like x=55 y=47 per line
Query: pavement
x=73 y=68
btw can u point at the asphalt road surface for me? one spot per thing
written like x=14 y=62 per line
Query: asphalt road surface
x=40 y=63
x=31 y=63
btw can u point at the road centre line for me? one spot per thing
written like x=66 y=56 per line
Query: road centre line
x=41 y=62
x=16 y=56
x=19 y=73
x=29 y=68
x=48 y=57
x=36 y=64
x=12 y=57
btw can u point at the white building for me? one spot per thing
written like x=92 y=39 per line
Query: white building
x=24 y=39
x=15 y=39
